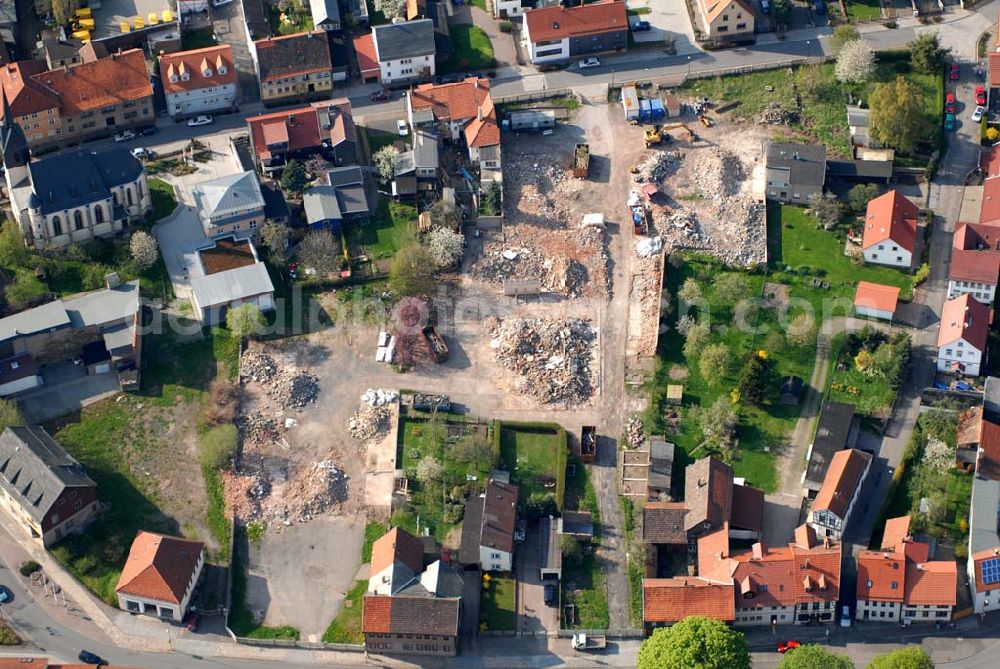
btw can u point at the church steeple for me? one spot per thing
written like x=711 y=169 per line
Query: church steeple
x=13 y=144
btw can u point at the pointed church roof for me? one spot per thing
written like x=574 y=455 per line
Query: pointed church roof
x=13 y=144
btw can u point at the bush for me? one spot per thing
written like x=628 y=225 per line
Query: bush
x=7 y=636
x=217 y=446
x=921 y=274
x=506 y=26
x=28 y=568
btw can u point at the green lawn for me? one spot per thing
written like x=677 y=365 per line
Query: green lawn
x=583 y=585
x=373 y=532
x=479 y=3
x=863 y=10
x=497 y=606
x=346 y=627
x=473 y=50
x=580 y=494
x=823 y=117
x=164 y=201
x=639 y=11
x=385 y=233
x=294 y=23
x=535 y=455
x=197 y=39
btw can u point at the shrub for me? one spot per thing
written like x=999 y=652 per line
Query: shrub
x=29 y=567
x=506 y=26
x=7 y=636
x=921 y=274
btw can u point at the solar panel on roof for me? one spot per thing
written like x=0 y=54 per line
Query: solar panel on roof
x=991 y=571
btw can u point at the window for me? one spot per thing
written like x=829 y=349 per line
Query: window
x=56 y=226
x=881 y=247
x=131 y=606
x=129 y=197
x=77 y=220
x=98 y=214
x=893 y=585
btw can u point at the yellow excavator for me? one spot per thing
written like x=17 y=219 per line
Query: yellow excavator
x=654 y=136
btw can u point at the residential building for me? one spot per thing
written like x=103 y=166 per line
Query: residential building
x=42 y=487
x=836 y=500
x=714 y=499
x=899 y=582
x=550 y=549
x=326 y=15
x=417 y=169
x=836 y=430
x=661 y=468
x=33 y=106
x=343 y=198
x=489 y=530
x=72 y=197
x=876 y=170
x=199 y=81
x=160 y=575
x=726 y=20
x=410 y=609
x=666 y=601
x=358 y=9
x=294 y=67
x=404 y=51
x=795 y=172
x=229 y=274
x=101 y=328
x=506 y=9
x=890 y=230
x=874 y=300
x=560 y=33
x=462 y=110
x=230 y=205
x=962 y=337
x=968 y=438
x=975 y=262
x=326 y=128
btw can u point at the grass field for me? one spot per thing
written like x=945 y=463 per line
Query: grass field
x=497 y=607
x=473 y=50
x=164 y=200
x=346 y=627
x=386 y=233
x=863 y=10
x=583 y=586
x=373 y=532
x=536 y=459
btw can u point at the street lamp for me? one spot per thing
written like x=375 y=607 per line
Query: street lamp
x=689 y=66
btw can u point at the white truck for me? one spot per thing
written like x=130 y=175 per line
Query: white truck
x=587 y=642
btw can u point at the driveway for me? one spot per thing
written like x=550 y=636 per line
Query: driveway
x=51 y=401
x=179 y=237
x=667 y=19
x=533 y=615
x=229 y=29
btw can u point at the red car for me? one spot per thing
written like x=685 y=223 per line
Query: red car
x=980 y=95
x=953 y=74
x=949 y=103
x=787 y=646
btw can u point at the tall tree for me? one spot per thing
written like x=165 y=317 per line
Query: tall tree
x=897 y=114
x=695 y=339
x=714 y=363
x=694 y=643
x=755 y=378
x=859 y=196
x=826 y=208
x=13 y=252
x=690 y=291
x=855 y=63
x=274 y=236
x=718 y=423
x=782 y=10
x=910 y=657
x=926 y=53
x=385 y=162
x=144 y=249
x=730 y=288
x=294 y=177
x=814 y=656
x=62 y=10
x=321 y=251
x=411 y=271
x=10 y=415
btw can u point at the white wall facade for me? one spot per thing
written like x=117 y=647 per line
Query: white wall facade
x=959 y=351
x=981 y=292
x=826 y=523
x=926 y=613
x=507 y=8
x=20 y=385
x=547 y=52
x=492 y=559
x=871 y=312
x=763 y=615
x=878 y=611
x=888 y=253
x=199 y=101
x=982 y=602
x=406 y=68
x=161 y=609
x=214 y=314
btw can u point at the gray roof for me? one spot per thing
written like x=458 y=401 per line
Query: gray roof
x=320 y=203
x=405 y=162
x=549 y=548
x=404 y=40
x=46 y=317
x=577 y=522
x=229 y=194
x=425 y=149
x=352 y=200
x=35 y=470
x=345 y=176
x=991 y=398
x=119 y=336
x=103 y=306
x=73 y=179
x=230 y=285
x=858 y=117
x=872 y=169
x=806 y=163
x=468 y=551
x=984 y=510
x=832 y=434
x=323 y=10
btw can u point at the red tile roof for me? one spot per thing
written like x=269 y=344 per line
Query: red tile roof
x=159 y=567
x=748 y=508
x=411 y=615
x=667 y=600
x=299 y=128
x=934 y=583
x=25 y=95
x=713 y=554
x=293 y=55
x=990 y=212
x=896 y=530
x=364 y=47
x=993 y=65
x=397 y=545
x=556 y=23
x=121 y=77
x=989 y=162
x=977 y=567
x=484 y=131
x=876 y=296
x=377 y=614
x=195 y=62
x=975 y=236
x=978 y=266
x=843 y=477
x=988 y=464
x=452 y=102
x=787 y=576
x=886 y=571
x=964 y=318
x=891 y=216
x=499 y=516
x=970 y=427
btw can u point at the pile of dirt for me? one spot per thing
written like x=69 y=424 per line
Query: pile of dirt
x=635 y=433
x=550 y=357
x=717 y=173
x=647 y=292
x=369 y=422
x=775 y=114
x=290 y=388
x=655 y=167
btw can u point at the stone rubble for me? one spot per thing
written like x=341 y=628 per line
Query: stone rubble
x=295 y=390
x=550 y=357
x=258 y=366
x=657 y=166
x=774 y=114
x=634 y=432
x=369 y=422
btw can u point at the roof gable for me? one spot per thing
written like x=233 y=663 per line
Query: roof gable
x=120 y=77
x=846 y=472
x=891 y=217
x=556 y=23
x=159 y=567
x=408 y=39
x=964 y=318
x=292 y=55
x=216 y=61
x=668 y=600
x=876 y=296
x=35 y=470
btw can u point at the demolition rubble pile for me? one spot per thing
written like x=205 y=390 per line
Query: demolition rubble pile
x=321 y=487
x=775 y=114
x=256 y=428
x=379 y=397
x=289 y=388
x=634 y=432
x=369 y=422
x=550 y=356
x=657 y=166
x=647 y=289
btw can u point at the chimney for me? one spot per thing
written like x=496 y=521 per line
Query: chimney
x=758 y=551
x=479 y=113
x=111 y=280
x=826 y=542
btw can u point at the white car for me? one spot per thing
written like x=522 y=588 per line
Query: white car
x=125 y=136
x=845 y=616
x=143 y=154
x=204 y=119
x=977 y=115
x=401 y=128
x=588 y=63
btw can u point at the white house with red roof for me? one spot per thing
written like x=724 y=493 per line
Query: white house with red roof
x=890 y=232
x=875 y=300
x=160 y=575
x=559 y=33
x=460 y=110
x=199 y=81
x=965 y=325
x=975 y=262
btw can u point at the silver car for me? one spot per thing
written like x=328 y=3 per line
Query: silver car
x=977 y=115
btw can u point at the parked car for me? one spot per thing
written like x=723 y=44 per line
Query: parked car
x=941 y=625
x=587 y=63
x=845 y=616
x=378 y=96
x=786 y=646
x=90 y=658
x=143 y=153
x=954 y=72
x=949 y=121
x=146 y=130
x=765 y=6
x=549 y=595
x=819 y=7
x=949 y=103
x=4 y=594
x=125 y=136
x=981 y=95
x=204 y=119
x=977 y=115
x=401 y=128
x=641 y=26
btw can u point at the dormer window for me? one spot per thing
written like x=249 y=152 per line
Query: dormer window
x=223 y=70
x=186 y=76
x=207 y=73
x=173 y=78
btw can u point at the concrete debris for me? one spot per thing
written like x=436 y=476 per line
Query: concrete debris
x=258 y=366
x=657 y=166
x=634 y=432
x=369 y=422
x=649 y=247
x=646 y=293
x=718 y=174
x=379 y=397
x=774 y=114
x=550 y=357
x=295 y=390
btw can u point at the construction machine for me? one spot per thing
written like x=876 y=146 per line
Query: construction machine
x=658 y=133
